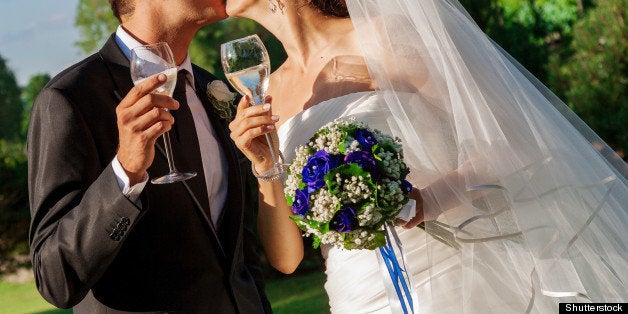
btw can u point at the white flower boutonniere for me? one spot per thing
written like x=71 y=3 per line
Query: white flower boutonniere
x=222 y=98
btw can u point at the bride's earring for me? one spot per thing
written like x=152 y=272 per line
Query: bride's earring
x=272 y=6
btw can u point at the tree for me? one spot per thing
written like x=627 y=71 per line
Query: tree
x=35 y=84
x=14 y=213
x=596 y=71
x=530 y=30
x=10 y=103
x=95 y=22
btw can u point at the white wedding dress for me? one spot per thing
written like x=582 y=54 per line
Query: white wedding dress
x=354 y=281
x=500 y=275
x=536 y=200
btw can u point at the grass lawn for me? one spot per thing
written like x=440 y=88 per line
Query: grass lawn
x=302 y=294
x=296 y=294
x=23 y=298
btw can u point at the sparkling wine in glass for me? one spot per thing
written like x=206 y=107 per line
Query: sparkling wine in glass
x=247 y=67
x=146 y=61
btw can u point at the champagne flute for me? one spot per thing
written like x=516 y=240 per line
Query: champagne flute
x=146 y=61
x=247 y=67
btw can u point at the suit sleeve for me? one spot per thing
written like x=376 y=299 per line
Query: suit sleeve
x=252 y=244
x=79 y=216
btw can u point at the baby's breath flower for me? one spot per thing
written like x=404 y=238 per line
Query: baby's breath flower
x=349 y=208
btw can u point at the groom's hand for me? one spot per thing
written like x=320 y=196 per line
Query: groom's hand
x=141 y=120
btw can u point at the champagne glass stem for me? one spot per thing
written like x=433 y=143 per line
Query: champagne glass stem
x=273 y=154
x=168 y=147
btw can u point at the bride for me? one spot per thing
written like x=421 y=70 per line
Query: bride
x=537 y=203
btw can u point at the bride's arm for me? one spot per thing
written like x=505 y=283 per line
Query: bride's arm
x=280 y=235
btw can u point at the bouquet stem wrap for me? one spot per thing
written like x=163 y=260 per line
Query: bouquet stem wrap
x=396 y=274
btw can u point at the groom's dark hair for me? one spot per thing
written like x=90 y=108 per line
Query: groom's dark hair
x=121 y=7
x=336 y=8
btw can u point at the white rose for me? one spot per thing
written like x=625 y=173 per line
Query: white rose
x=220 y=91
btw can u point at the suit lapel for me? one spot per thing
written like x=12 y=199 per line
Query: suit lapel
x=118 y=67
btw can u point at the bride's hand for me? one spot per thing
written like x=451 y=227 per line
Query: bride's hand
x=415 y=194
x=248 y=129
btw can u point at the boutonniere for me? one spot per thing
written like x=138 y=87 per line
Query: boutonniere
x=222 y=98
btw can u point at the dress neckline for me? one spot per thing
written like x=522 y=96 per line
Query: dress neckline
x=320 y=105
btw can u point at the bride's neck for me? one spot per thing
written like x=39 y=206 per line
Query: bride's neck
x=306 y=34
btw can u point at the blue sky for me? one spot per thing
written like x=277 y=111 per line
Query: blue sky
x=38 y=36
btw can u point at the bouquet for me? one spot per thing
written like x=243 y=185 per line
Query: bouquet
x=346 y=183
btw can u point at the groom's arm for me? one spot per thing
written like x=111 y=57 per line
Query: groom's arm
x=79 y=216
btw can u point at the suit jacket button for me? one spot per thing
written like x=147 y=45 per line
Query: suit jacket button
x=122 y=227
x=125 y=220
x=116 y=234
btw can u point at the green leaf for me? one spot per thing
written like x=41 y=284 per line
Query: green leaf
x=346 y=170
x=316 y=242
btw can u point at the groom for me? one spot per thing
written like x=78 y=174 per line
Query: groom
x=102 y=238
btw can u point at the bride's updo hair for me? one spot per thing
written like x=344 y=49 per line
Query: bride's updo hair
x=336 y=8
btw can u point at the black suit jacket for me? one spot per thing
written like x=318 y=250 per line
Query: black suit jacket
x=92 y=245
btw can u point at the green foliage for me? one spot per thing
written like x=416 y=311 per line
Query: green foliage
x=595 y=75
x=530 y=30
x=14 y=210
x=574 y=47
x=14 y=213
x=35 y=84
x=11 y=106
x=95 y=22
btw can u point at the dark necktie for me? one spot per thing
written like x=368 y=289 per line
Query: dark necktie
x=183 y=112
x=185 y=146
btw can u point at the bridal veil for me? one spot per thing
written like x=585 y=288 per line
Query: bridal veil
x=536 y=200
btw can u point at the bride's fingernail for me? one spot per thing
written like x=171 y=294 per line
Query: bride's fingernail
x=274 y=117
x=266 y=106
x=270 y=127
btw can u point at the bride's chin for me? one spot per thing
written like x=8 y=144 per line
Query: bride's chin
x=237 y=8
x=233 y=12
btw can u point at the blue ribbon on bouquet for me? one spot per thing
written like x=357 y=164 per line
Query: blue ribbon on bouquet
x=399 y=275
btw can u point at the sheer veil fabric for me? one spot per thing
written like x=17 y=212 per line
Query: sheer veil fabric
x=537 y=202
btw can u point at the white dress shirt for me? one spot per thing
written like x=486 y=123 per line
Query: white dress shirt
x=214 y=168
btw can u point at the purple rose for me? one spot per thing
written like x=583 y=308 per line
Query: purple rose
x=344 y=220
x=365 y=160
x=300 y=204
x=366 y=139
x=315 y=169
x=406 y=186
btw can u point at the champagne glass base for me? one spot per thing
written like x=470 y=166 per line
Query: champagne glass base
x=173 y=177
